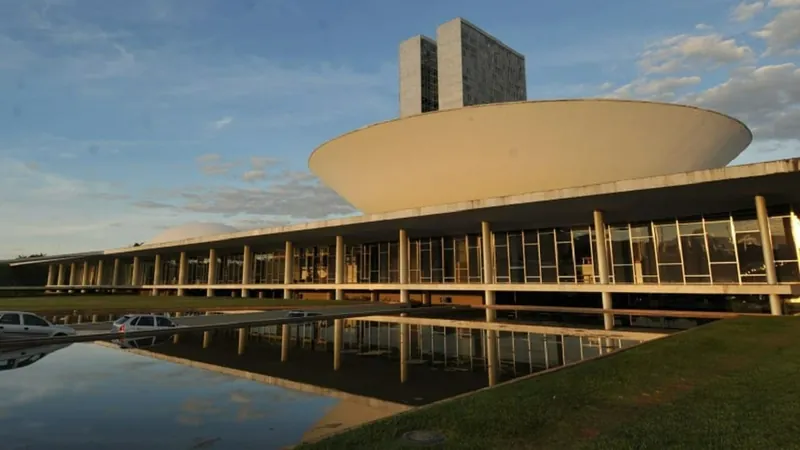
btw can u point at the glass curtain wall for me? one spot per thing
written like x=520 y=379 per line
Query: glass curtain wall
x=314 y=265
x=269 y=268
x=713 y=249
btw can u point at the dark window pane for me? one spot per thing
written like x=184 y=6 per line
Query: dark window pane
x=501 y=262
x=751 y=258
x=146 y=321
x=515 y=258
x=531 y=237
x=582 y=247
x=474 y=263
x=667 y=244
x=623 y=274
x=621 y=246
x=782 y=240
x=449 y=264
x=547 y=248
x=549 y=275
x=787 y=272
x=720 y=242
x=532 y=261
x=672 y=273
x=518 y=275
x=724 y=273
x=644 y=258
x=695 y=261
x=690 y=228
x=563 y=235
x=566 y=266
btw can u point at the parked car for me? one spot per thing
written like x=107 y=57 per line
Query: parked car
x=25 y=325
x=141 y=322
x=293 y=314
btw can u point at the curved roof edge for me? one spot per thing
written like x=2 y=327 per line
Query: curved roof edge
x=563 y=100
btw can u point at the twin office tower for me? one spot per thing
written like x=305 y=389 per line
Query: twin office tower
x=464 y=66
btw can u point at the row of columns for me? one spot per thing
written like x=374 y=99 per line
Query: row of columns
x=488 y=266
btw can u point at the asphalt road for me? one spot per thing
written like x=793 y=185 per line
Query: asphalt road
x=214 y=319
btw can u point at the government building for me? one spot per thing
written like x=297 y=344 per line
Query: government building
x=593 y=203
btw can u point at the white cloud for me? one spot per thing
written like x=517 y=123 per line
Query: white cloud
x=261 y=162
x=767 y=98
x=693 y=52
x=784 y=3
x=746 y=11
x=222 y=123
x=253 y=175
x=658 y=89
x=703 y=27
x=782 y=34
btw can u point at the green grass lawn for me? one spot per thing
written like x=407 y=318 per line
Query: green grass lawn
x=111 y=303
x=733 y=384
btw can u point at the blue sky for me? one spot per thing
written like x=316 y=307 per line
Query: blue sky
x=123 y=118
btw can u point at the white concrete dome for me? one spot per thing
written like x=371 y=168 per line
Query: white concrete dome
x=486 y=151
x=191 y=230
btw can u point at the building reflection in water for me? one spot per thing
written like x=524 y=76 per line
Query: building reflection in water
x=445 y=357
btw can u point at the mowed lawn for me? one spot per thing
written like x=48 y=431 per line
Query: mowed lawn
x=94 y=303
x=733 y=384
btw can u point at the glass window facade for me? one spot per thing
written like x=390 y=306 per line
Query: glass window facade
x=718 y=249
x=714 y=249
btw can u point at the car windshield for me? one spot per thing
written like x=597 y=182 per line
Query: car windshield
x=121 y=320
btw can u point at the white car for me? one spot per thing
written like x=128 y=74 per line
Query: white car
x=141 y=322
x=25 y=325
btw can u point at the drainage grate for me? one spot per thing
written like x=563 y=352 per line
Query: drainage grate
x=424 y=437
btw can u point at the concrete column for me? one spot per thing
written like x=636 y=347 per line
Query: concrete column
x=182 y=266
x=338 y=335
x=402 y=249
x=775 y=302
x=487 y=250
x=602 y=266
x=135 y=277
x=288 y=268
x=51 y=274
x=242 y=341
x=176 y=338
x=85 y=276
x=426 y=298
x=207 y=335
x=98 y=280
x=247 y=269
x=373 y=297
x=339 y=294
x=73 y=274
x=60 y=277
x=156 y=274
x=284 y=342
x=115 y=273
x=488 y=268
x=404 y=338
x=212 y=271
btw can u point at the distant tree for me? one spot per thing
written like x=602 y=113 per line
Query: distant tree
x=35 y=255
